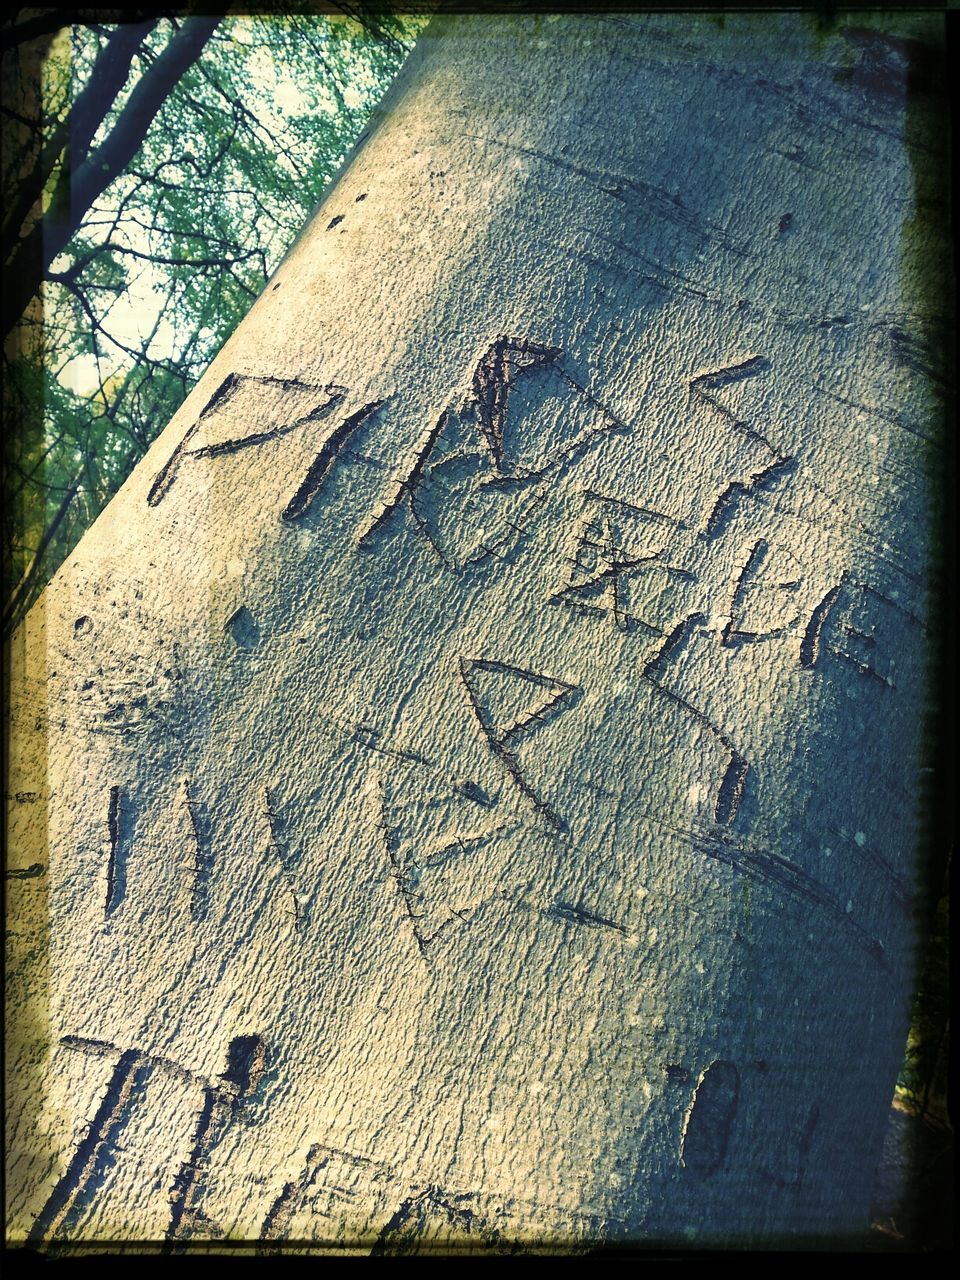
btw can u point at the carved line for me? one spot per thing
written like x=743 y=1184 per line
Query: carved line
x=730 y=792
x=758 y=480
x=246 y=1064
x=565 y=455
x=491 y=380
x=25 y=873
x=279 y=850
x=804 y=1142
x=230 y=1084
x=408 y=481
x=732 y=636
x=115 y=869
x=614 y=563
x=73 y=1187
x=810 y=644
x=723 y=376
x=212 y=1114
x=167 y=473
x=280 y=1212
x=319 y=1156
x=460 y=844
x=491 y=385
x=203 y=858
x=714 y=379
x=709 y=1119
x=765 y=864
x=312 y=482
x=497 y=744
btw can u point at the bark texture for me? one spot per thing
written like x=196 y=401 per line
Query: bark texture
x=467 y=782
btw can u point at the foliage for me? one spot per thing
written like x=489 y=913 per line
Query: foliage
x=166 y=260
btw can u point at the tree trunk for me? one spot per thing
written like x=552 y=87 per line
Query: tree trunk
x=474 y=763
x=27 y=260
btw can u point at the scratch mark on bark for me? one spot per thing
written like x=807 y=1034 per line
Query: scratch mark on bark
x=884 y=416
x=561 y=693
x=709 y=1120
x=404 y=486
x=203 y=856
x=810 y=644
x=168 y=472
x=369 y=738
x=662 y=202
x=568 y=913
x=893 y=604
x=116 y=871
x=398 y=871
x=279 y=850
x=866 y=853
x=404 y=1232
x=312 y=482
x=74 y=1188
x=766 y=865
x=806 y=1141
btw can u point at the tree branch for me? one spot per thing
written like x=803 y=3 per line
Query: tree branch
x=49 y=236
x=109 y=75
x=19 y=597
x=43 y=24
x=109 y=246
x=53 y=20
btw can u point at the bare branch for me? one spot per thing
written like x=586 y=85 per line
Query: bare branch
x=49 y=236
x=76 y=131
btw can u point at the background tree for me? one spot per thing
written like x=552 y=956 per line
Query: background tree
x=154 y=172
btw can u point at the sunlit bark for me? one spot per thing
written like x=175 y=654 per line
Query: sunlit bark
x=475 y=760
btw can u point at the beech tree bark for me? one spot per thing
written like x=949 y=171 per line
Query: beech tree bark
x=468 y=782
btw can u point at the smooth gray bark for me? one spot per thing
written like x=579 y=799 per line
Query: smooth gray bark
x=474 y=762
